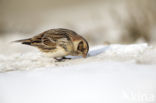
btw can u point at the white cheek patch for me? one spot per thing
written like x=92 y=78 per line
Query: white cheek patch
x=76 y=45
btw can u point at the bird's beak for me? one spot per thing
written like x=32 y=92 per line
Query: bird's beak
x=84 y=55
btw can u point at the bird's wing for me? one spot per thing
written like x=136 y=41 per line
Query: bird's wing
x=50 y=40
x=47 y=40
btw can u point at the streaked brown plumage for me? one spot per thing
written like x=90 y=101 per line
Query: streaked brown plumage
x=59 y=43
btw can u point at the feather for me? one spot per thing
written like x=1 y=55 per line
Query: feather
x=25 y=41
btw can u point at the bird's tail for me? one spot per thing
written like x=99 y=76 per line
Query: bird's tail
x=25 y=41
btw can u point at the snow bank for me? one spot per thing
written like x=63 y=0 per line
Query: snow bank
x=94 y=82
x=136 y=53
x=111 y=74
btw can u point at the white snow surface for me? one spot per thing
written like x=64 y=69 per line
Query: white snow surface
x=110 y=74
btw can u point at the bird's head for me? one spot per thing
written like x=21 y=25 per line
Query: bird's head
x=81 y=47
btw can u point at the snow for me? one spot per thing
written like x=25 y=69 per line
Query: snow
x=111 y=73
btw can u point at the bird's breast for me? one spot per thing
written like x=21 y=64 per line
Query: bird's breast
x=58 y=52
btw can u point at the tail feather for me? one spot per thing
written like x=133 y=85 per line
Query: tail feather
x=24 y=41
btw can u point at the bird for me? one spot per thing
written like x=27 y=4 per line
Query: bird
x=59 y=43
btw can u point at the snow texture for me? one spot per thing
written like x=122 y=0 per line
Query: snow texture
x=137 y=53
x=110 y=74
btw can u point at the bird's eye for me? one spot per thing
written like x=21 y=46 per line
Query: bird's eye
x=80 y=47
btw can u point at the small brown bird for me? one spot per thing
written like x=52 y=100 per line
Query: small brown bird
x=59 y=43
